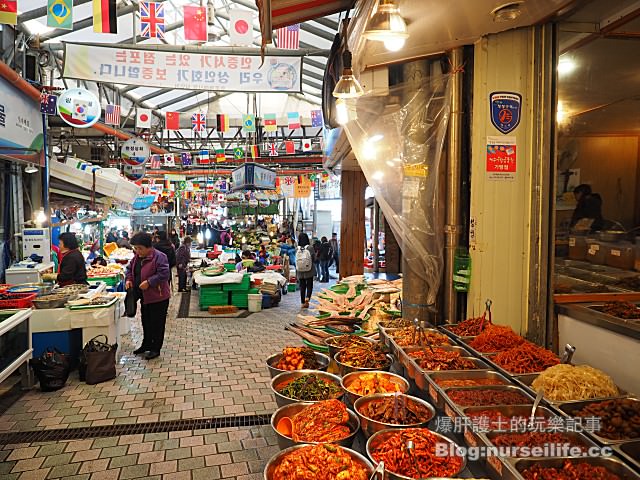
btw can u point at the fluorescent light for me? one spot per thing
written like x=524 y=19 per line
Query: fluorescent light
x=566 y=66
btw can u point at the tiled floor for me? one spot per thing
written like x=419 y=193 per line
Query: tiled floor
x=209 y=367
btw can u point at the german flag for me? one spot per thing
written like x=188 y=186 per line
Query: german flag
x=104 y=16
x=255 y=153
x=222 y=122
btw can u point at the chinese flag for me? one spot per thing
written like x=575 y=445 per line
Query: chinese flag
x=9 y=12
x=195 y=23
x=172 y=121
x=290 y=147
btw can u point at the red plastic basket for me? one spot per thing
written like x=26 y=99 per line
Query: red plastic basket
x=4 y=287
x=18 y=300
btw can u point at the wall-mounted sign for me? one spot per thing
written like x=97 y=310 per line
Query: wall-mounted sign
x=501 y=158
x=505 y=109
x=135 y=151
x=134 y=173
x=188 y=71
x=251 y=175
x=79 y=107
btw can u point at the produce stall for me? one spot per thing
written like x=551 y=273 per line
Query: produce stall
x=417 y=391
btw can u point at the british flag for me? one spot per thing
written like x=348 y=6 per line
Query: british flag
x=199 y=122
x=152 y=19
x=273 y=149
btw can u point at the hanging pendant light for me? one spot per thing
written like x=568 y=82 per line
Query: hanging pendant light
x=387 y=26
x=348 y=86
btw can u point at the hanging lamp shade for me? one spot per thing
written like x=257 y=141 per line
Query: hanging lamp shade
x=386 y=24
x=348 y=86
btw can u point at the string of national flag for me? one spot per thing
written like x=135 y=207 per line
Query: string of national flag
x=152 y=17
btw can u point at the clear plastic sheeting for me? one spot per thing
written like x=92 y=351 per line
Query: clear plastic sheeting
x=398 y=140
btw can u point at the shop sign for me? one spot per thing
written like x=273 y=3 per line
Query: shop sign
x=134 y=173
x=135 y=152
x=79 y=107
x=143 y=202
x=505 y=110
x=20 y=124
x=251 y=175
x=329 y=187
x=501 y=158
x=187 y=71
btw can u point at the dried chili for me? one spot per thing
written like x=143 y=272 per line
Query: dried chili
x=437 y=359
x=471 y=326
x=480 y=397
x=619 y=418
x=496 y=338
x=397 y=459
x=526 y=358
x=570 y=471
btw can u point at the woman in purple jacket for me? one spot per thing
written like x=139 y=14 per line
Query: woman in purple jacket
x=148 y=275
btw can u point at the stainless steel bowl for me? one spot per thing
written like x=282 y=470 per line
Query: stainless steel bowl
x=274 y=462
x=293 y=408
x=346 y=369
x=286 y=377
x=383 y=435
x=370 y=426
x=333 y=350
x=321 y=358
x=348 y=379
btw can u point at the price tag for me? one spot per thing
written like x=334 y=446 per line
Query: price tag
x=592 y=251
x=615 y=253
x=495 y=463
x=433 y=393
x=572 y=242
x=449 y=411
x=595 y=247
x=470 y=438
x=417 y=170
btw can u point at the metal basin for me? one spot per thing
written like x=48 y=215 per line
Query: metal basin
x=612 y=464
x=346 y=369
x=527 y=399
x=348 y=379
x=274 y=462
x=321 y=358
x=286 y=377
x=383 y=435
x=370 y=426
x=293 y=408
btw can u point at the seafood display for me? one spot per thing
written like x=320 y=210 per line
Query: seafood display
x=569 y=471
x=626 y=310
x=536 y=439
x=407 y=337
x=436 y=359
x=481 y=397
x=369 y=358
x=470 y=327
x=322 y=422
x=347 y=341
x=468 y=382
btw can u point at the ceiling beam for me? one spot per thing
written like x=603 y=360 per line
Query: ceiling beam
x=177 y=100
x=42 y=12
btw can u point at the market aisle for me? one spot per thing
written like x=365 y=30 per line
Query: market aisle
x=208 y=368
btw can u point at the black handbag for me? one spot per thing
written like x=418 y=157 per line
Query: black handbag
x=98 y=361
x=130 y=303
x=51 y=369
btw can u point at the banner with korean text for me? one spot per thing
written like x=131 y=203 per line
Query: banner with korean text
x=188 y=71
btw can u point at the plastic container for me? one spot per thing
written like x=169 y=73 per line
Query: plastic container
x=242 y=286
x=240 y=299
x=596 y=251
x=18 y=300
x=267 y=300
x=254 y=302
x=292 y=287
x=577 y=247
x=621 y=255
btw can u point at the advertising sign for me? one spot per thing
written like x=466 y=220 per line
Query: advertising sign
x=135 y=152
x=501 y=158
x=188 y=71
x=251 y=175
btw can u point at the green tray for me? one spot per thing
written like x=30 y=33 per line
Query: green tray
x=359 y=331
x=319 y=348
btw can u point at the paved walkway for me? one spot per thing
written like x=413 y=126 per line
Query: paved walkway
x=209 y=367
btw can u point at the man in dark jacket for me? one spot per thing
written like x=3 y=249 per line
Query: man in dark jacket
x=326 y=254
x=165 y=246
x=183 y=257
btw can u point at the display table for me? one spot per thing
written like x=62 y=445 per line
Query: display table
x=15 y=343
x=270 y=277
x=16 y=275
x=229 y=277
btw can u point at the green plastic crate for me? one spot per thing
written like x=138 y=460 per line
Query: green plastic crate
x=240 y=300
x=292 y=287
x=243 y=286
x=110 y=281
x=230 y=267
x=211 y=288
x=214 y=299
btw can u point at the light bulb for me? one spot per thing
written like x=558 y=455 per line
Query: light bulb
x=342 y=112
x=41 y=217
x=394 y=44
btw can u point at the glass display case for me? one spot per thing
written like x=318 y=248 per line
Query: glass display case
x=15 y=340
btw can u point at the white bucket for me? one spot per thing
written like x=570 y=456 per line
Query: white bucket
x=255 y=302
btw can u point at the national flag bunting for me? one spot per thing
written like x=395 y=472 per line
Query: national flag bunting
x=112 y=115
x=185 y=158
x=316 y=118
x=104 y=16
x=169 y=161
x=220 y=155
x=306 y=145
x=195 y=23
x=9 y=12
x=294 y=120
x=143 y=118
x=238 y=153
x=155 y=162
x=152 y=19
x=255 y=152
x=222 y=122
x=289 y=37
x=48 y=103
x=270 y=122
x=290 y=147
x=273 y=149
x=60 y=14
x=202 y=157
x=199 y=122
x=241 y=27
x=172 y=121
x=249 y=123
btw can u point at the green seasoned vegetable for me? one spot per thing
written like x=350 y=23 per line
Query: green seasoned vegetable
x=310 y=388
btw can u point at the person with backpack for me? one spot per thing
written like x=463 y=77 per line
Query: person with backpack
x=326 y=254
x=305 y=258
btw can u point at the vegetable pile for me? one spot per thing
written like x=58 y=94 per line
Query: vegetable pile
x=345 y=341
x=320 y=462
x=569 y=471
x=437 y=359
x=396 y=410
x=309 y=388
x=357 y=357
x=321 y=422
x=476 y=398
x=398 y=460
x=526 y=358
x=408 y=337
x=297 y=358
x=496 y=338
x=619 y=418
x=568 y=382
x=371 y=383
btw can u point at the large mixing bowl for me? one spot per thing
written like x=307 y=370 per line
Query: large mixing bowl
x=293 y=408
x=321 y=358
x=274 y=462
x=370 y=426
x=348 y=379
x=287 y=377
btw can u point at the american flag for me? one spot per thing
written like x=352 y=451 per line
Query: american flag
x=155 y=162
x=199 y=122
x=152 y=19
x=112 y=115
x=289 y=37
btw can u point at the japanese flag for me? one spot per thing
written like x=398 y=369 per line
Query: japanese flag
x=143 y=118
x=306 y=145
x=241 y=27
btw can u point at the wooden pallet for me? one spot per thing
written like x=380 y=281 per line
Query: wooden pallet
x=222 y=309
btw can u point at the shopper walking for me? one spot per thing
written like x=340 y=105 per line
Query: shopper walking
x=335 y=246
x=305 y=257
x=183 y=257
x=148 y=275
x=326 y=254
